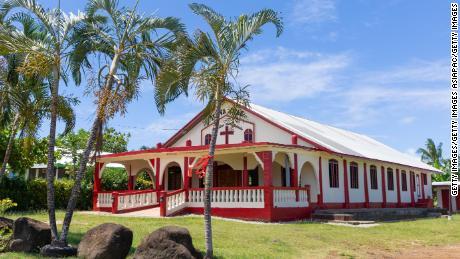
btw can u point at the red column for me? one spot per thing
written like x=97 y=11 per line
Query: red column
x=245 y=172
x=130 y=180
x=422 y=184
x=366 y=188
x=320 y=196
x=162 y=201
x=158 y=184
x=384 y=191
x=115 y=202
x=96 y=183
x=412 y=183
x=295 y=178
x=345 y=185
x=266 y=158
x=186 y=178
x=397 y=186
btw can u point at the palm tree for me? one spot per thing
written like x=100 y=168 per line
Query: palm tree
x=45 y=44
x=132 y=47
x=25 y=103
x=209 y=63
x=431 y=154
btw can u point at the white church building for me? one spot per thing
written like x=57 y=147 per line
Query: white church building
x=273 y=167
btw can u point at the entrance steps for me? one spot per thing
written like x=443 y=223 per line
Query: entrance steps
x=375 y=214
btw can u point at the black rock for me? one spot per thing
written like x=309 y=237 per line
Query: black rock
x=106 y=241
x=167 y=242
x=29 y=235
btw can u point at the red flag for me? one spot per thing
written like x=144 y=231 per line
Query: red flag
x=200 y=166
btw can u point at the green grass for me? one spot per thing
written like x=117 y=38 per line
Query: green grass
x=291 y=240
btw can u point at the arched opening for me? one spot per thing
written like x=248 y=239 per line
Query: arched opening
x=114 y=179
x=144 y=180
x=282 y=171
x=308 y=177
x=172 y=177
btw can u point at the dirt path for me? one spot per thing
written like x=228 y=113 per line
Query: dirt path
x=421 y=252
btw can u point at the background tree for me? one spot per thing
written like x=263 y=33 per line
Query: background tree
x=24 y=104
x=45 y=43
x=432 y=155
x=209 y=64
x=131 y=46
x=72 y=145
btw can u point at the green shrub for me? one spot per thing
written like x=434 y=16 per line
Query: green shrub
x=6 y=204
x=143 y=181
x=114 y=179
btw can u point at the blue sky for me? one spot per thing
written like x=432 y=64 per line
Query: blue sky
x=380 y=68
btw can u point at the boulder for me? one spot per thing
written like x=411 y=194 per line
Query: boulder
x=167 y=242
x=106 y=241
x=6 y=233
x=29 y=235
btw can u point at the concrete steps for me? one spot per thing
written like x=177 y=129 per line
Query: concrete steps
x=373 y=215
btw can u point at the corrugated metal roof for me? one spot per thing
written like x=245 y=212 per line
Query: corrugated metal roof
x=339 y=140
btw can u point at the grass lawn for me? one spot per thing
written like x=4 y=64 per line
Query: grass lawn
x=292 y=240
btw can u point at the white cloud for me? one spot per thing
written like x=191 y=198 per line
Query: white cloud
x=313 y=11
x=285 y=75
x=407 y=120
x=374 y=95
x=412 y=152
x=158 y=130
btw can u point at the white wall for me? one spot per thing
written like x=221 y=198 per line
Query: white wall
x=263 y=131
x=356 y=195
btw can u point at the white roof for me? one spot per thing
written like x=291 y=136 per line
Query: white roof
x=67 y=159
x=441 y=183
x=339 y=140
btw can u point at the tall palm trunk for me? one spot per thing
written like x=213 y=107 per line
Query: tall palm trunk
x=208 y=182
x=89 y=147
x=9 y=146
x=50 y=172
x=77 y=185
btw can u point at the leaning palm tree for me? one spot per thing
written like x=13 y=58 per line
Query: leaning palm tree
x=45 y=44
x=132 y=46
x=432 y=154
x=25 y=103
x=209 y=63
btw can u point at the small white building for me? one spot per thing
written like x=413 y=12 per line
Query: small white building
x=274 y=166
x=39 y=170
x=442 y=193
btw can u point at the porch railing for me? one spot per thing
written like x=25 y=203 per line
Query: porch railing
x=125 y=201
x=104 y=200
x=290 y=197
x=137 y=199
x=229 y=197
x=175 y=201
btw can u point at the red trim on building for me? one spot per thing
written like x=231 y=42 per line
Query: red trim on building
x=266 y=158
x=422 y=185
x=398 y=187
x=295 y=179
x=320 y=195
x=245 y=172
x=384 y=191
x=345 y=185
x=366 y=188
x=412 y=187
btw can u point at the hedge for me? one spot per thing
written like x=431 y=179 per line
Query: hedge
x=31 y=195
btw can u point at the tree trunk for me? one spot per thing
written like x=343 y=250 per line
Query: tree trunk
x=50 y=172
x=208 y=181
x=9 y=146
x=100 y=114
x=77 y=185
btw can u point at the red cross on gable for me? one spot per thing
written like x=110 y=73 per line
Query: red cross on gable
x=227 y=133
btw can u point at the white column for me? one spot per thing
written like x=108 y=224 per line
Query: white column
x=36 y=172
